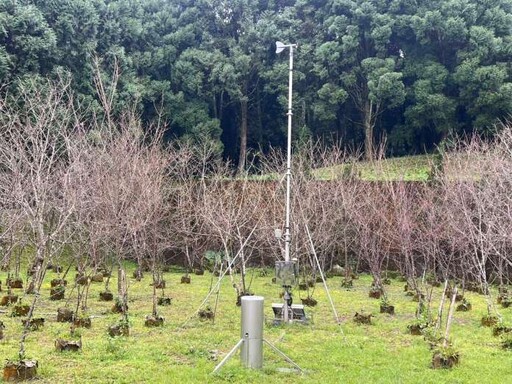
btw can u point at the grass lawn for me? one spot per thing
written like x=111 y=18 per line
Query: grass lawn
x=181 y=351
x=408 y=168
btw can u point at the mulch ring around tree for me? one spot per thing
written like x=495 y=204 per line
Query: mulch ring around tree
x=20 y=370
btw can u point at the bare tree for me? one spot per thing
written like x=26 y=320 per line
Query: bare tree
x=404 y=230
x=191 y=165
x=127 y=178
x=35 y=130
x=230 y=208
x=371 y=216
x=472 y=220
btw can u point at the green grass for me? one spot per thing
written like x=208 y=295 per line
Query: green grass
x=329 y=353
x=409 y=168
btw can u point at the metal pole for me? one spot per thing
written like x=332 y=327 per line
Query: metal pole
x=228 y=356
x=336 y=317
x=287 y=234
x=283 y=355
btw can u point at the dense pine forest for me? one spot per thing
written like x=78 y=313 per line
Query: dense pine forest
x=405 y=72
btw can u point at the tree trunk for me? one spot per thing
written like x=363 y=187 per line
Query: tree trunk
x=259 y=120
x=368 y=124
x=243 y=135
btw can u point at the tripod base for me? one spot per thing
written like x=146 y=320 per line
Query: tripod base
x=273 y=347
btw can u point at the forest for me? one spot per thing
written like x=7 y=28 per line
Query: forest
x=407 y=73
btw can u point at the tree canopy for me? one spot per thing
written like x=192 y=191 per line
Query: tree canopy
x=409 y=72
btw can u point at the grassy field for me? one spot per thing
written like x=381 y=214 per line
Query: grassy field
x=409 y=168
x=181 y=351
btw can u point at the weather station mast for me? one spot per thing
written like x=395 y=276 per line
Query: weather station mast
x=287 y=270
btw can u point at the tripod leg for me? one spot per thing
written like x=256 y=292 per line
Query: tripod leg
x=279 y=352
x=229 y=355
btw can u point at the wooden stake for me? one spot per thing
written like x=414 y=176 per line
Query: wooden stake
x=450 y=317
x=441 y=305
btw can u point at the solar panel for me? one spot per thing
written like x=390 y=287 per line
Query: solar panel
x=298 y=313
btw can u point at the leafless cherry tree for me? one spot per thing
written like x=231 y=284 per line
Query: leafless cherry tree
x=35 y=133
